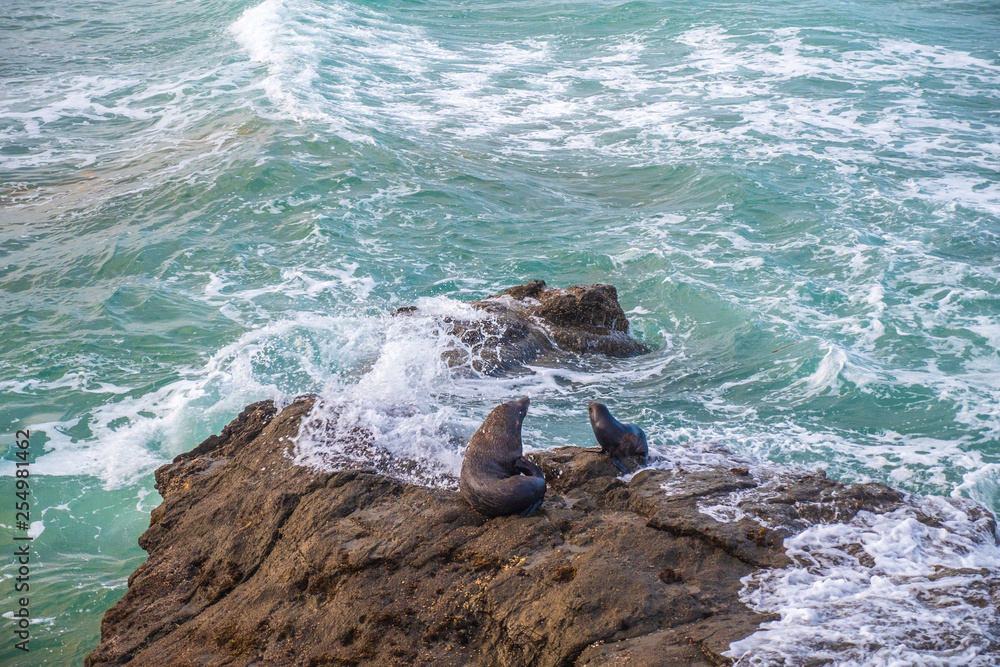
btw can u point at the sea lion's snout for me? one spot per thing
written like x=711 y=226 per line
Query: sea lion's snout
x=522 y=407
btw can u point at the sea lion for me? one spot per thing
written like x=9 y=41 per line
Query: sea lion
x=496 y=479
x=617 y=440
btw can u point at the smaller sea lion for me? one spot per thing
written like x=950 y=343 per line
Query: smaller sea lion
x=496 y=479
x=617 y=440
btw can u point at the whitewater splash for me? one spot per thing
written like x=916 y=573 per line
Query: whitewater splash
x=915 y=587
x=426 y=391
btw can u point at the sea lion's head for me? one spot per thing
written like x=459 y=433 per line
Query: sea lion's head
x=506 y=419
x=598 y=413
x=515 y=411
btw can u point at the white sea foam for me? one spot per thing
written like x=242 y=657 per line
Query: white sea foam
x=162 y=110
x=827 y=373
x=129 y=436
x=36 y=529
x=356 y=70
x=259 y=31
x=409 y=404
x=359 y=70
x=914 y=587
x=412 y=402
x=457 y=91
x=920 y=463
x=351 y=70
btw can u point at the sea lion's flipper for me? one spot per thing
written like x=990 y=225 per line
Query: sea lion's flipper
x=619 y=463
x=531 y=510
x=511 y=495
x=525 y=467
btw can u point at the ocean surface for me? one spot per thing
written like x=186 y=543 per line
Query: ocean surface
x=207 y=203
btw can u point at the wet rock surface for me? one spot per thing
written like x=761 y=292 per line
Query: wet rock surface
x=527 y=321
x=254 y=560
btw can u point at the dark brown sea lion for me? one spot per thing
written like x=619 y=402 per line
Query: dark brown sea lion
x=496 y=478
x=616 y=439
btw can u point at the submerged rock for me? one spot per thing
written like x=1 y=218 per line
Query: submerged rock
x=254 y=560
x=524 y=322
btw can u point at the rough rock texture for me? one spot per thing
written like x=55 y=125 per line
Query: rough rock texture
x=527 y=321
x=256 y=561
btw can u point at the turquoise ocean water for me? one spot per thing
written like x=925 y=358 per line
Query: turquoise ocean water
x=208 y=203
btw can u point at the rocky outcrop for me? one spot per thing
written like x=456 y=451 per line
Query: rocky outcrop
x=524 y=322
x=254 y=560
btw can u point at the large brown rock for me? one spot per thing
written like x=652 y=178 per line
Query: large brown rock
x=527 y=321
x=256 y=561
